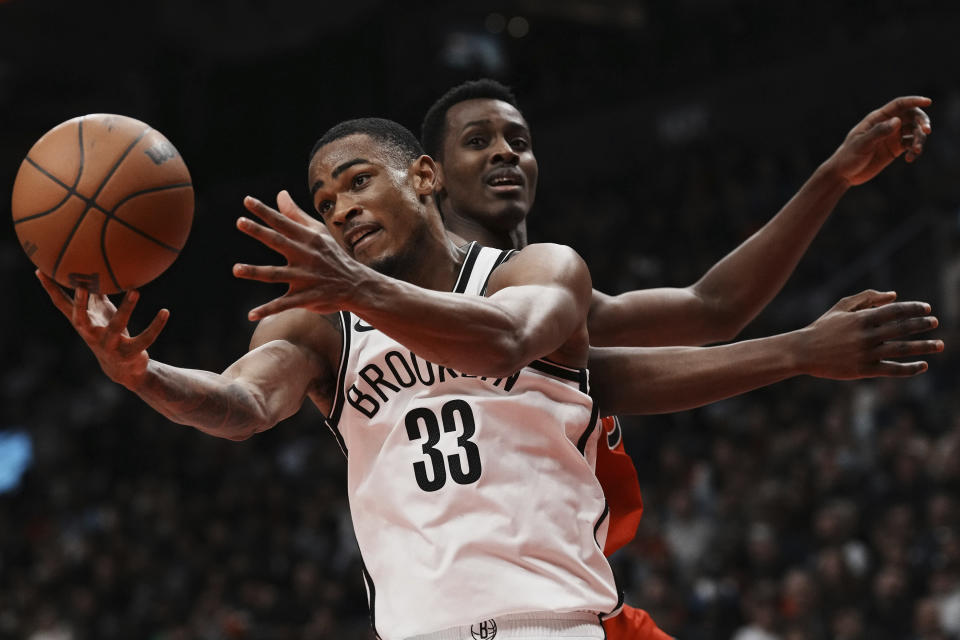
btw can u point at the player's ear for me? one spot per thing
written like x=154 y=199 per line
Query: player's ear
x=424 y=172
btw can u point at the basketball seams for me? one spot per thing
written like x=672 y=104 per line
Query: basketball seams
x=91 y=202
x=111 y=215
x=103 y=252
x=70 y=190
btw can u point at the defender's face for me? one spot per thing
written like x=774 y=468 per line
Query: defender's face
x=369 y=205
x=489 y=172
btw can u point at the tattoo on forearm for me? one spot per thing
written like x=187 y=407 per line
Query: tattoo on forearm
x=207 y=404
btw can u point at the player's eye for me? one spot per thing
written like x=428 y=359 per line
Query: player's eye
x=359 y=180
x=324 y=207
x=477 y=142
x=520 y=143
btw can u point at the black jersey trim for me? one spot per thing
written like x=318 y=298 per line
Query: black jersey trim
x=371 y=595
x=594 y=420
x=339 y=395
x=616 y=583
x=505 y=255
x=472 y=252
x=559 y=371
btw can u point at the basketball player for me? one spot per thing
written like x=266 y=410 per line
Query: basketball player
x=450 y=411
x=465 y=414
x=488 y=177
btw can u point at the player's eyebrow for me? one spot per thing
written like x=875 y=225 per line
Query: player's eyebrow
x=473 y=123
x=336 y=172
x=346 y=165
x=487 y=121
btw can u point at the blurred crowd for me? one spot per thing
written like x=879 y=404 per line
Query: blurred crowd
x=812 y=509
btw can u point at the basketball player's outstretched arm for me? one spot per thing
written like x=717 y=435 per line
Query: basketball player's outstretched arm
x=263 y=387
x=537 y=302
x=856 y=338
x=732 y=292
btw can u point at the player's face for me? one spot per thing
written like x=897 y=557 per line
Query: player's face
x=370 y=206
x=489 y=172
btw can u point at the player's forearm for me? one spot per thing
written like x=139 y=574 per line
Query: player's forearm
x=210 y=402
x=741 y=284
x=642 y=381
x=466 y=333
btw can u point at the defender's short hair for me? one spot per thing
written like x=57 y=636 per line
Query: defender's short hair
x=402 y=146
x=435 y=122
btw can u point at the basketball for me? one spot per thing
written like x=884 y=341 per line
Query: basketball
x=102 y=202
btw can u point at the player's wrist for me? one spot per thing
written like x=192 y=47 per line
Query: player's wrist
x=797 y=353
x=132 y=378
x=831 y=174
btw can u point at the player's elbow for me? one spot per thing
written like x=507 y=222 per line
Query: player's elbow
x=721 y=318
x=506 y=354
x=248 y=412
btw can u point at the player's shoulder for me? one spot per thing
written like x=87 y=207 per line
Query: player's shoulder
x=549 y=250
x=543 y=262
x=306 y=329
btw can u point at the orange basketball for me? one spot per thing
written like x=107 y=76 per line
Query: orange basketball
x=103 y=202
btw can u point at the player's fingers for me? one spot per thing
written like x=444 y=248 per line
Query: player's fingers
x=913 y=134
x=80 y=317
x=896 y=312
x=284 y=302
x=272 y=217
x=292 y=210
x=270 y=308
x=900 y=105
x=277 y=241
x=262 y=273
x=904 y=327
x=891 y=369
x=149 y=335
x=118 y=323
x=907 y=348
x=60 y=299
x=866 y=299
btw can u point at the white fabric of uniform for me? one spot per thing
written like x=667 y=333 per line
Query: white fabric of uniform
x=520 y=532
x=570 y=626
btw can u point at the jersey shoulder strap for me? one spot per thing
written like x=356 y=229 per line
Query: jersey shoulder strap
x=483 y=262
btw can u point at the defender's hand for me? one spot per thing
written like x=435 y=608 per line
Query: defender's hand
x=899 y=127
x=320 y=275
x=104 y=328
x=860 y=334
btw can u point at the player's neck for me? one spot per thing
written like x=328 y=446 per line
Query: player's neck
x=471 y=230
x=434 y=259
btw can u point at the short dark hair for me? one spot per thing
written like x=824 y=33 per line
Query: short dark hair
x=435 y=122
x=402 y=145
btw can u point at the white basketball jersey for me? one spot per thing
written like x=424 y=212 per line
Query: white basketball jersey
x=471 y=497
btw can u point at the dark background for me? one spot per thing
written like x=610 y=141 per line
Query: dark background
x=667 y=132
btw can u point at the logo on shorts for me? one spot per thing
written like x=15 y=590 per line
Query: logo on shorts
x=486 y=630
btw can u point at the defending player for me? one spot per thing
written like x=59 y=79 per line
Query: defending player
x=488 y=177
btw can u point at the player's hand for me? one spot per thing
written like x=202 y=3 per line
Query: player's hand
x=319 y=273
x=103 y=327
x=859 y=336
x=900 y=127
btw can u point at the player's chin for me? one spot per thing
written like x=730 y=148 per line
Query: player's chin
x=512 y=211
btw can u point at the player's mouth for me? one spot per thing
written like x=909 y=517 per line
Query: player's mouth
x=360 y=235
x=507 y=180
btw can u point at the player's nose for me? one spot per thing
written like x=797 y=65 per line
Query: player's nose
x=345 y=211
x=503 y=153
